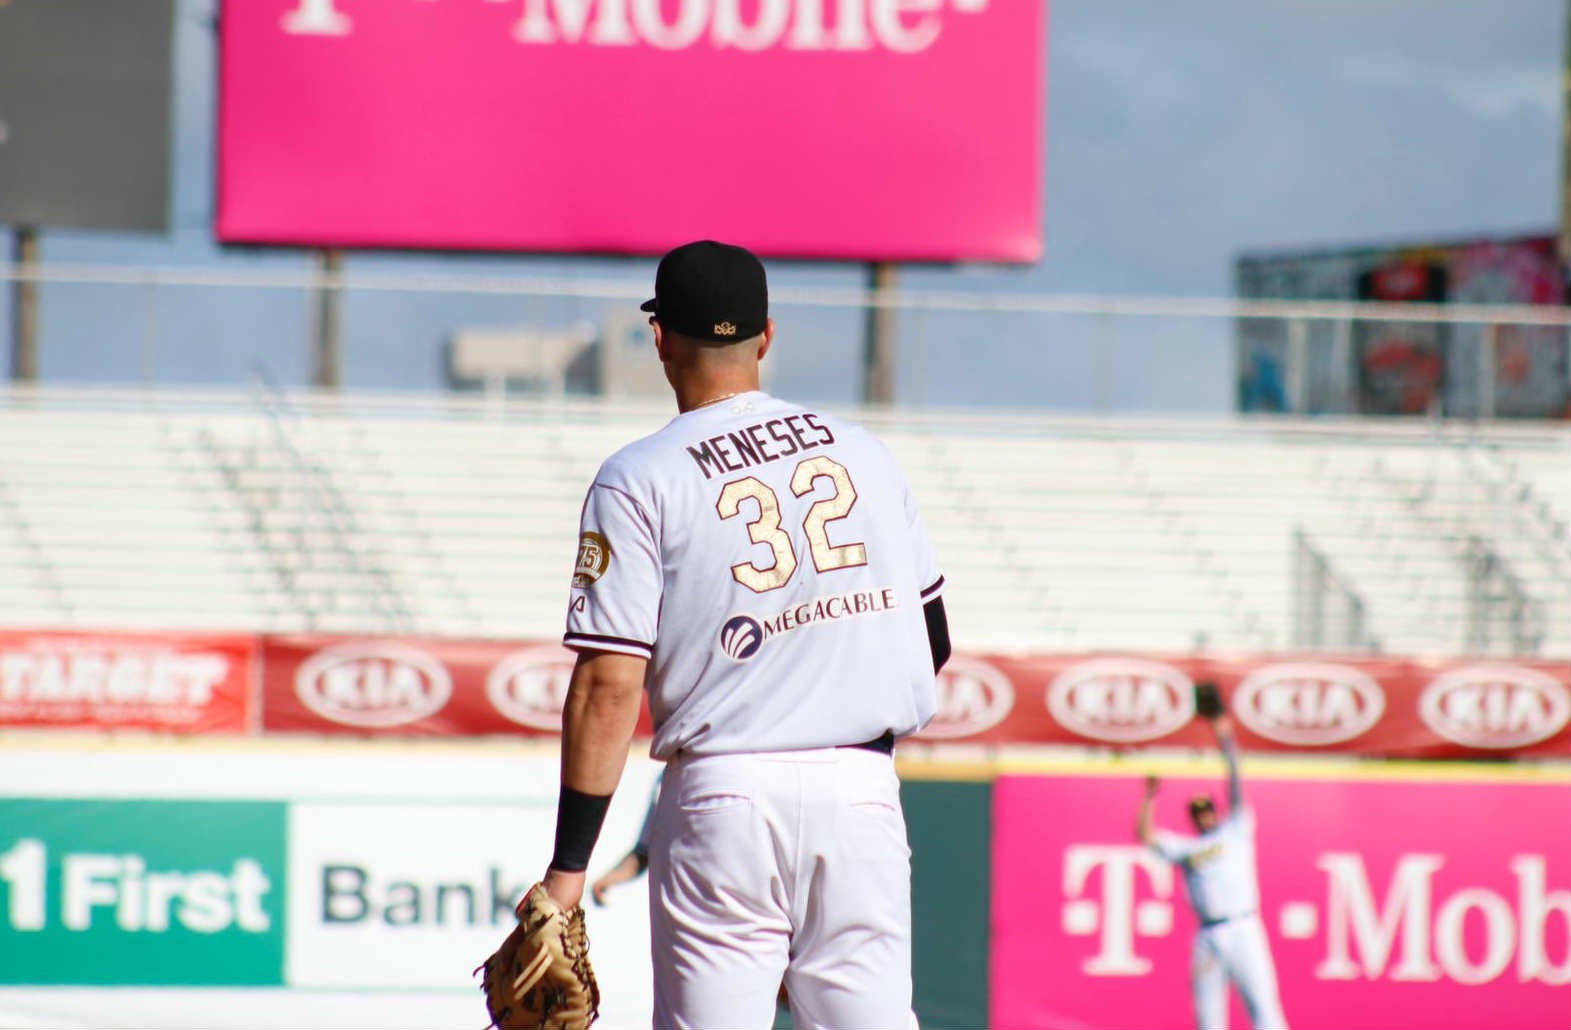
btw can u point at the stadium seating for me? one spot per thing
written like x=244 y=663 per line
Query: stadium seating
x=456 y=516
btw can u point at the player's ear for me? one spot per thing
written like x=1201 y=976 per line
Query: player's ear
x=769 y=338
x=660 y=341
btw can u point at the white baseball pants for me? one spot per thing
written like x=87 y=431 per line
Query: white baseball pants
x=789 y=867
x=1236 y=951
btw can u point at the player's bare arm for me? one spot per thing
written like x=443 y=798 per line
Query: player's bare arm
x=624 y=871
x=1143 y=829
x=636 y=861
x=1222 y=726
x=598 y=720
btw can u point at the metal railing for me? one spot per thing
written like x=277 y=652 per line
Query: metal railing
x=324 y=505
x=43 y=572
x=1328 y=613
x=1513 y=507
x=1501 y=616
x=858 y=298
x=1340 y=595
x=1065 y=351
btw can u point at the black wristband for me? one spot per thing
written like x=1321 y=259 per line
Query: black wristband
x=641 y=856
x=937 y=632
x=578 y=820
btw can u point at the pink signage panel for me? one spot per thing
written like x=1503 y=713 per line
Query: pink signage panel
x=1399 y=905
x=865 y=129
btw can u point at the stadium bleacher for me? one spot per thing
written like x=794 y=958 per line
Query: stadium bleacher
x=455 y=516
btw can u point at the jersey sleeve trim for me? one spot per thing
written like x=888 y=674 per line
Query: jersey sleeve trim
x=618 y=645
x=933 y=589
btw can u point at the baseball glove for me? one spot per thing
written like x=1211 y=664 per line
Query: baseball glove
x=1208 y=701
x=540 y=978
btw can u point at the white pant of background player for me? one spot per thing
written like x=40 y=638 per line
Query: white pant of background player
x=785 y=866
x=1235 y=950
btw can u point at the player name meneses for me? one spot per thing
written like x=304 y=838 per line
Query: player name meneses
x=759 y=443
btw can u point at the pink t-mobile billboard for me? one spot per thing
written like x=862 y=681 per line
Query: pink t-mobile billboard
x=860 y=129
x=1399 y=905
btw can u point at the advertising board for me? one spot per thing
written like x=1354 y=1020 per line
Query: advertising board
x=850 y=129
x=1401 y=904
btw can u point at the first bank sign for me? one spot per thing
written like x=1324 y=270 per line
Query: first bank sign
x=845 y=129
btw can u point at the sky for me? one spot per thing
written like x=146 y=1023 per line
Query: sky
x=1177 y=136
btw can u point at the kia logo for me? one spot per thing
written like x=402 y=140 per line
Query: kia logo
x=1122 y=700
x=1488 y=706
x=530 y=687
x=373 y=685
x=1309 y=703
x=973 y=697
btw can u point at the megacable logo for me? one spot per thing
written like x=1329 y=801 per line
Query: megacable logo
x=741 y=637
x=1121 y=700
x=530 y=687
x=1309 y=703
x=1495 y=706
x=373 y=685
x=973 y=697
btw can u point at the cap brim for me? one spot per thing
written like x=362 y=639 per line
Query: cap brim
x=648 y=305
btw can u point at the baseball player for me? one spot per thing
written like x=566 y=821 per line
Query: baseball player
x=761 y=570
x=1219 y=874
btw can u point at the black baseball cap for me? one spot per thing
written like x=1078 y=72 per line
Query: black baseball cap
x=711 y=292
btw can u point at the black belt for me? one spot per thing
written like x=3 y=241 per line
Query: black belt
x=884 y=744
x=1206 y=924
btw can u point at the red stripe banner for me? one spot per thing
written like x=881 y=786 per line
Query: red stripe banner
x=183 y=682
x=428 y=686
x=415 y=686
x=1394 y=707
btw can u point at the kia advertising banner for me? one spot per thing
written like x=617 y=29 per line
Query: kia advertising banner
x=191 y=683
x=415 y=687
x=1399 y=905
x=1373 y=706
x=849 y=129
x=421 y=686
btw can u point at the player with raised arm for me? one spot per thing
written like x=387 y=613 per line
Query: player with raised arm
x=1218 y=864
x=761 y=570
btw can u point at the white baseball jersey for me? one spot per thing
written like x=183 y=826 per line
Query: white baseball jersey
x=1219 y=867
x=770 y=563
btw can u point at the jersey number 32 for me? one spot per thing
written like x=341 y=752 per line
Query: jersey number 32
x=766 y=528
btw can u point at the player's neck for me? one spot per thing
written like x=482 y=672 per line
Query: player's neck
x=711 y=390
